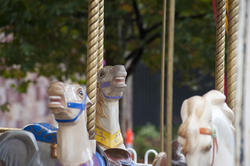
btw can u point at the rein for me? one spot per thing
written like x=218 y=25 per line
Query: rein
x=80 y=106
x=212 y=133
x=105 y=85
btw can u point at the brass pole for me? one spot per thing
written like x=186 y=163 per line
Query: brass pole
x=170 y=79
x=2 y=129
x=163 y=73
x=101 y=35
x=220 y=46
x=92 y=54
x=233 y=22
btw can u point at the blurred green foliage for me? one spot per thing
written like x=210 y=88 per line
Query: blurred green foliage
x=148 y=137
x=50 y=37
x=5 y=107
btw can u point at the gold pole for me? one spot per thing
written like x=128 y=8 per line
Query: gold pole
x=92 y=54
x=101 y=35
x=170 y=79
x=233 y=20
x=163 y=73
x=2 y=129
x=220 y=46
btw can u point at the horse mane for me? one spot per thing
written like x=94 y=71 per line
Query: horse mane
x=99 y=103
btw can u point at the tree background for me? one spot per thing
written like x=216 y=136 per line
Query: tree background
x=50 y=38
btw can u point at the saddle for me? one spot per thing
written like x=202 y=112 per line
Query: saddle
x=118 y=157
x=43 y=132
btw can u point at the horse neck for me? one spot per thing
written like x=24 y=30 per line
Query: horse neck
x=225 y=138
x=109 y=122
x=74 y=146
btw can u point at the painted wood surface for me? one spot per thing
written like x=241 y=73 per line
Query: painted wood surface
x=243 y=88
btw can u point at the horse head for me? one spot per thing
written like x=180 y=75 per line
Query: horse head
x=67 y=101
x=201 y=133
x=111 y=82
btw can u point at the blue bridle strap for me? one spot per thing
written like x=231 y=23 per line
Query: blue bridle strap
x=80 y=106
x=111 y=97
x=107 y=84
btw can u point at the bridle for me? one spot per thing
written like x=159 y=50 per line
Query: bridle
x=105 y=85
x=80 y=106
x=212 y=133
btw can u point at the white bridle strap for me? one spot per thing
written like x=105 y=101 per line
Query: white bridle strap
x=212 y=133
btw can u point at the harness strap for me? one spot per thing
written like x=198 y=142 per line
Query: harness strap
x=212 y=133
x=80 y=106
x=105 y=85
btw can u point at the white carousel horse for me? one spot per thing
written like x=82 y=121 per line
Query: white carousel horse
x=68 y=103
x=207 y=131
x=111 y=83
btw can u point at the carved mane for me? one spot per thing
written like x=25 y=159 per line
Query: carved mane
x=99 y=104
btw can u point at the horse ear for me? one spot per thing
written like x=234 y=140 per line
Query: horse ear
x=219 y=99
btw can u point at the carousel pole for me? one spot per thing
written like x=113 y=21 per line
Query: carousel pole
x=101 y=36
x=92 y=57
x=220 y=46
x=170 y=79
x=233 y=28
x=163 y=73
x=233 y=22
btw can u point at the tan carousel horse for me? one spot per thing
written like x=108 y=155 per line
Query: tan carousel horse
x=111 y=83
x=207 y=131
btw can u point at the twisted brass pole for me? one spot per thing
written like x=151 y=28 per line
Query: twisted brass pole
x=233 y=21
x=101 y=35
x=220 y=45
x=163 y=73
x=92 y=54
x=170 y=79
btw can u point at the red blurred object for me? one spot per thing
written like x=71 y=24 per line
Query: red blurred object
x=129 y=138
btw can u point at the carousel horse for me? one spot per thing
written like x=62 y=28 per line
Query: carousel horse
x=110 y=86
x=73 y=145
x=207 y=131
x=68 y=103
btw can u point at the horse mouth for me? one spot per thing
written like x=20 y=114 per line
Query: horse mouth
x=119 y=82
x=56 y=102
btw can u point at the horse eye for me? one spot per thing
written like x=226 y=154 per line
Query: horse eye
x=102 y=74
x=81 y=92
